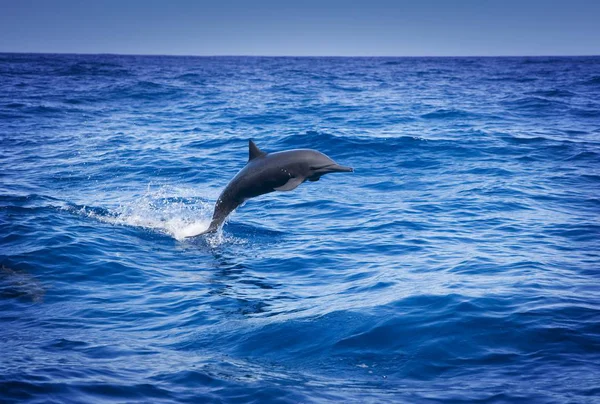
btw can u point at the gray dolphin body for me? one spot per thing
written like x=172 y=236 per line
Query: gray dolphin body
x=265 y=173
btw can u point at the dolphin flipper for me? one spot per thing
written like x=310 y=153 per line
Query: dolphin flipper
x=291 y=184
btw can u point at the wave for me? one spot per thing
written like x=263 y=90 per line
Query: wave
x=145 y=91
x=329 y=142
x=593 y=81
x=14 y=105
x=585 y=113
x=85 y=69
x=533 y=104
x=449 y=114
x=28 y=200
x=554 y=93
x=590 y=156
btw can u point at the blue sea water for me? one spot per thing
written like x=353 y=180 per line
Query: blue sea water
x=460 y=262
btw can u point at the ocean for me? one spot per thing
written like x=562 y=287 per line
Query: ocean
x=460 y=262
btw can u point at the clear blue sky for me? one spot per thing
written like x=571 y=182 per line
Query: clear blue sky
x=302 y=27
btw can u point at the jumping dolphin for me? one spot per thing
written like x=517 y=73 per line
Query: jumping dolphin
x=269 y=172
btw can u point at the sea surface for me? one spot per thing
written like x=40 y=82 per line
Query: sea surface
x=460 y=262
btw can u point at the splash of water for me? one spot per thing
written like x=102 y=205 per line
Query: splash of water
x=168 y=210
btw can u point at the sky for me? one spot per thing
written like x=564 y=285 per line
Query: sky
x=303 y=27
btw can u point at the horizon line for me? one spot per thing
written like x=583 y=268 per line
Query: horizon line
x=293 y=56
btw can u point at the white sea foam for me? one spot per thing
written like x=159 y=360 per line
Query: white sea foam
x=168 y=210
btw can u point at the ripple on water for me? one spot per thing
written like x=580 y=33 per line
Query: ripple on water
x=457 y=263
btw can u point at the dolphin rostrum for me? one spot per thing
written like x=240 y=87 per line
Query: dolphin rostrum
x=269 y=172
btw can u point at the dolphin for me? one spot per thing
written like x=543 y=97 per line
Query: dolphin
x=270 y=172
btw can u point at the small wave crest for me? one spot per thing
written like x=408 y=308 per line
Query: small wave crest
x=93 y=68
x=533 y=104
x=448 y=114
x=593 y=81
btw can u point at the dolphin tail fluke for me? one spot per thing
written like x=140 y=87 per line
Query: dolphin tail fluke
x=211 y=229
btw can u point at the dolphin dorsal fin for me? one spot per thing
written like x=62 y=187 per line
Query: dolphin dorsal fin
x=254 y=151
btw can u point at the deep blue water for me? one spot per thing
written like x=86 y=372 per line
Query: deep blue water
x=460 y=262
